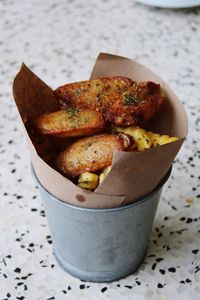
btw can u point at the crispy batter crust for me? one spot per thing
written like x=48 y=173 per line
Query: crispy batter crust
x=140 y=102
x=94 y=94
x=89 y=154
x=70 y=122
x=121 y=100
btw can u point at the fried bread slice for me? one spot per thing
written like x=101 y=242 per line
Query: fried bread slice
x=69 y=122
x=89 y=154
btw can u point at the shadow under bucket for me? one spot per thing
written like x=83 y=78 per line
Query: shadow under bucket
x=100 y=245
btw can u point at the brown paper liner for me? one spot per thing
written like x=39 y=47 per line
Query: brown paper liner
x=133 y=174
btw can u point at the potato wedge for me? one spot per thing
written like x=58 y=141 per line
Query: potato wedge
x=88 y=177
x=104 y=173
x=158 y=139
x=88 y=181
x=141 y=139
x=88 y=185
x=144 y=139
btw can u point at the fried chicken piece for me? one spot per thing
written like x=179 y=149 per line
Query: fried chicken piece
x=69 y=122
x=121 y=100
x=95 y=94
x=89 y=154
x=137 y=105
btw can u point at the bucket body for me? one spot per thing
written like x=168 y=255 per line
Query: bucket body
x=100 y=245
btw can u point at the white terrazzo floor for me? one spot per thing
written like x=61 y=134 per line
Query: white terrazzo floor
x=60 y=40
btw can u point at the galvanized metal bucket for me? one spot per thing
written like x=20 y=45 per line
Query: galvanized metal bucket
x=100 y=245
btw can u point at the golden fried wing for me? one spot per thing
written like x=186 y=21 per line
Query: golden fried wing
x=69 y=122
x=136 y=105
x=95 y=94
x=89 y=154
x=121 y=100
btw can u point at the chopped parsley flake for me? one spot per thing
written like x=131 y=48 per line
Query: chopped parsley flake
x=130 y=99
x=77 y=91
x=72 y=111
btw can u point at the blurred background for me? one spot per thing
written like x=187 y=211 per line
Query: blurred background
x=59 y=41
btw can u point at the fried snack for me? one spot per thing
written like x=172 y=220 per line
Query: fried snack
x=104 y=173
x=88 y=181
x=141 y=139
x=121 y=100
x=158 y=139
x=136 y=105
x=145 y=139
x=89 y=154
x=69 y=122
x=94 y=94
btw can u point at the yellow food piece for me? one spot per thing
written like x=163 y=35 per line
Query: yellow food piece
x=88 y=176
x=104 y=173
x=69 y=122
x=88 y=185
x=88 y=181
x=145 y=139
x=139 y=135
x=158 y=139
x=142 y=140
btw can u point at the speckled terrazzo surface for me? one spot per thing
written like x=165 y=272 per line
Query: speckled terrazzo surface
x=60 y=41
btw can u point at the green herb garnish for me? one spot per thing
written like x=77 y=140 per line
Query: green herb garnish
x=98 y=99
x=77 y=91
x=72 y=111
x=86 y=120
x=130 y=99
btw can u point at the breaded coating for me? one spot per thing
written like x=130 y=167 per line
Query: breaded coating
x=89 y=154
x=69 y=122
x=137 y=105
x=121 y=100
x=94 y=94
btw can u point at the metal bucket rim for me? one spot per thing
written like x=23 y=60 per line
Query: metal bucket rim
x=127 y=206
